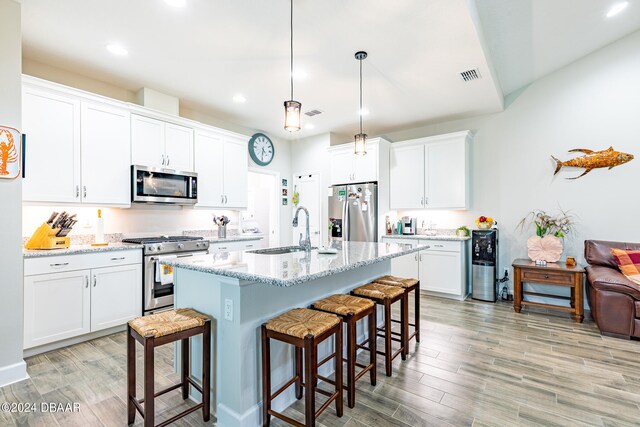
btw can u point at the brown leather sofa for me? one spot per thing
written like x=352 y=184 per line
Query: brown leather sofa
x=614 y=299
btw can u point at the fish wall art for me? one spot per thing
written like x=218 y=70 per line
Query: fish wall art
x=591 y=160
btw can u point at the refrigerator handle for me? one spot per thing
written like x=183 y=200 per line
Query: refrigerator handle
x=345 y=220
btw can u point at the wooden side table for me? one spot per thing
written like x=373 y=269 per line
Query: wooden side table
x=555 y=274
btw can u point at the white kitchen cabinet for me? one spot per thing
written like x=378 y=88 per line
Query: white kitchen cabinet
x=71 y=295
x=51 y=122
x=442 y=267
x=347 y=167
x=430 y=173
x=56 y=306
x=116 y=295
x=78 y=151
x=156 y=143
x=406 y=164
x=243 y=245
x=105 y=154
x=223 y=171
x=235 y=174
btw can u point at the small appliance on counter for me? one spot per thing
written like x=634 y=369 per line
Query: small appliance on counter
x=484 y=265
x=409 y=225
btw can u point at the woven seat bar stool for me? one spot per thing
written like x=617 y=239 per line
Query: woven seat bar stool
x=386 y=296
x=305 y=329
x=351 y=309
x=156 y=330
x=409 y=285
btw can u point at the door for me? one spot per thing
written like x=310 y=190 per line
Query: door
x=147 y=141
x=366 y=167
x=441 y=272
x=106 y=154
x=308 y=188
x=116 y=295
x=208 y=165
x=342 y=166
x=406 y=177
x=446 y=175
x=178 y=147
x=263 y=206
x=235 y=174
x=56 y=306
x=361 y=213
x=52 y=125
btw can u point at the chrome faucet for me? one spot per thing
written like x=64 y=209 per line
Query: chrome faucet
x=304 y=243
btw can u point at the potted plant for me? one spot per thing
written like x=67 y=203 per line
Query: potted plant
x=462 y=231
x=547 y=245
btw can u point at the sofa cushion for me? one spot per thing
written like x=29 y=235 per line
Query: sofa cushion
x=629 y=263
x=598 y=252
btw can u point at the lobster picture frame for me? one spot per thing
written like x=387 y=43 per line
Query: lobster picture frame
x=10 y=152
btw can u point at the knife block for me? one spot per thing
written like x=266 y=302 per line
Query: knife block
x=45 y=238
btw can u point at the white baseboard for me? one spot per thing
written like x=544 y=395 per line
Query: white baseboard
x=228 y=417
x=13 y=373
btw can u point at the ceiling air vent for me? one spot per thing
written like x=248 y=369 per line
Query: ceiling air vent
x=470 y=75
x=313 y=113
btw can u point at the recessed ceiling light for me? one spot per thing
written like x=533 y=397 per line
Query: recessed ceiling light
x=239 y=99
x=176 y=3
x=309 y=126
x=117 y=49
x=617 y=8
x=364 y=112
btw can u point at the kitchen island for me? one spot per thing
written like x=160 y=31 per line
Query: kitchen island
x=241 y=290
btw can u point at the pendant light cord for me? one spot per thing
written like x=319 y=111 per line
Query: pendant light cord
x=360 y=112
x=291 y=28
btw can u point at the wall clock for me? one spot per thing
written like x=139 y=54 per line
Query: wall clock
x=261 y=149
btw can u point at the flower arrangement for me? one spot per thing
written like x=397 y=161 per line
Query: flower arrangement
x=484 y=222
x=546 y=225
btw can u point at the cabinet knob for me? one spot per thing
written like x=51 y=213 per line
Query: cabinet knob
x=77 y=191
x=95 y=281
x=163 y=160
x=86 y=281
x=84 y=191
x=168 y=160
x=546 y=276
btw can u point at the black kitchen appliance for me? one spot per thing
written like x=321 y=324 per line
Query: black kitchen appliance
x=484 y=265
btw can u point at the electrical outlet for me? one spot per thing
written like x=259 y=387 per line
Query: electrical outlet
x=228 y=310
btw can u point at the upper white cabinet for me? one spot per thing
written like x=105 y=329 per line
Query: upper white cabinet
x=77 y=151
x=51 y=122
x=347 y=167
x=105 y=154
x=430 y=173
x=222 y=168
x=157 y=143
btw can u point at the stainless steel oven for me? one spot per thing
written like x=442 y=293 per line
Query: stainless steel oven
x=167 y=186
x=158 y=280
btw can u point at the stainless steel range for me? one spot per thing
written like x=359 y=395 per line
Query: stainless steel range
x=157 y=278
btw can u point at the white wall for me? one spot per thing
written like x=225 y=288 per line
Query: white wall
x=592 y=103
x=310 y=156
x=12 y=367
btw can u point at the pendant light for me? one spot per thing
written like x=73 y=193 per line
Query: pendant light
x=361 y=138
x=292 y=108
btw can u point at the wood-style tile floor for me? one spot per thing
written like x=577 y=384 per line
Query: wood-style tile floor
x=478 y=364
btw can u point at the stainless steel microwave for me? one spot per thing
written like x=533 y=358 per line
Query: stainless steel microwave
x=166 y=186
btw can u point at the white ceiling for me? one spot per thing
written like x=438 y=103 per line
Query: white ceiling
x=211 y=50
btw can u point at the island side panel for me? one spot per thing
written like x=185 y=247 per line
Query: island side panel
x=236 y=370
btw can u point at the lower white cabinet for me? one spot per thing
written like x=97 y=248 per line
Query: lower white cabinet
x=61 y=305
x=243 y=245
x=442 y=268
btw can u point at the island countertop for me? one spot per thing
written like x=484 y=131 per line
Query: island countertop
x=293 y=268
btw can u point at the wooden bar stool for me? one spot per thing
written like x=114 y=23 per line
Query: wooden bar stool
x=386 y=296
x=305 y=329
x=409 y=285
x=156 y=330
x=351 y=309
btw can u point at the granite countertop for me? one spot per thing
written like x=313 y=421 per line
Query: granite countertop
x=235 y=238
x=451 y=237
x=79 y=249
x=293 y=268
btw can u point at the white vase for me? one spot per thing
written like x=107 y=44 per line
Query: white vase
x=547 y=248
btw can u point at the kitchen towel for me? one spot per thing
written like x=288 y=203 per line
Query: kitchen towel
x=164 y=273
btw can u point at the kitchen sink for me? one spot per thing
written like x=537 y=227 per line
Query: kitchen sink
x=278 y=251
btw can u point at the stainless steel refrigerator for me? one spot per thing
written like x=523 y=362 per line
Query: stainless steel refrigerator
x=353 y=212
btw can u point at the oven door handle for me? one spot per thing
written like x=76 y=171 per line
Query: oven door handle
x=184 y=256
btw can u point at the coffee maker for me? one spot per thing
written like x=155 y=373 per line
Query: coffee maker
x=409 y=225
